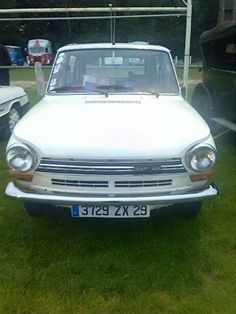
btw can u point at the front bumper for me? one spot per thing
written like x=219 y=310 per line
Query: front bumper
x=67 y=199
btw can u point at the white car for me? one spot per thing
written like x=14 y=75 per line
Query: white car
x=13 y=104
x=109 y=140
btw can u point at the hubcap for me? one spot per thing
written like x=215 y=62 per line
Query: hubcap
x=14 y=117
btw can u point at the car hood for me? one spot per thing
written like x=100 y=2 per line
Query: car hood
x=8 y=93
x=117 y=126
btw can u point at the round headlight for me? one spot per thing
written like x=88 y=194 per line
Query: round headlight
x=20 y=157
x=201 y=158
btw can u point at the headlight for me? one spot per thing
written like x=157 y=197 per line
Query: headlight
x=201 y=158
x=21 y=158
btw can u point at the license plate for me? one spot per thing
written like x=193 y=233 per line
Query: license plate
x=111 y=211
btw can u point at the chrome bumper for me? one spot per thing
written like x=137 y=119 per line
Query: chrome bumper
x=14 y=191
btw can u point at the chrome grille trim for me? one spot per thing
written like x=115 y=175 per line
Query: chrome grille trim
x=106 y=184
x=111 y=167
x=135 y=184
x=77 y=183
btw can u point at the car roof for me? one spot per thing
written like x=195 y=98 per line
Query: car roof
x=220 y=31
x=114 y=46
x=9 y=46
x=41 y=39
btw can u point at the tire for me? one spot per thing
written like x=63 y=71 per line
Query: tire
x=188 y=209
x=38 y=209
x=202 y=103
x=13 y=118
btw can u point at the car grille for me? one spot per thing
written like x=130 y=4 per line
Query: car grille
x=90 y=184
x=135 y=184
x=116 y=184
x=111 y=167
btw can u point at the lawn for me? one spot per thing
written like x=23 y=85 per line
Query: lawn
x=26 y=73
x=164 y=264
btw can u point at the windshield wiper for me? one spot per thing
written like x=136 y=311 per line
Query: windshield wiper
x=150 y=92
x=73 y=89
x=115 y=87
x=59 y=89
x=63 y=89
x=95 y=89
x=101 y=89
x=105 y=89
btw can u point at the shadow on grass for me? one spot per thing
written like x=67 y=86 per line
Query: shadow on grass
x=111 y=257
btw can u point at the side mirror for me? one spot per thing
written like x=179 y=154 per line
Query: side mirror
x=39 y=79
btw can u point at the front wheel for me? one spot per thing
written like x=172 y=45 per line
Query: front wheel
x=202 y=103
x=13 y=118
x=188 y=209
x=38 y=209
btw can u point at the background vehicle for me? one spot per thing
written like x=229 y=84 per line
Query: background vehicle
x=215 y=97
x=39 y=50
x=13 y=104
x=16 y=55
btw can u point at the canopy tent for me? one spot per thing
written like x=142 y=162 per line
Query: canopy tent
x=218 y=32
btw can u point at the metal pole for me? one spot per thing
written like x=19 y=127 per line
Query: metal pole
x=114 y=29
x=187 y=46
x=111 y=22
x=114 y=17
x=90 y=10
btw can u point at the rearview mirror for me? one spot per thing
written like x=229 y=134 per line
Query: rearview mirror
x=113 y=60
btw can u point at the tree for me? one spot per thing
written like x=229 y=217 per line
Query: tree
x=169 y=32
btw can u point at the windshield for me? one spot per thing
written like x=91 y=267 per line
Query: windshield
x=36 y=49
x=13 y=50
x=113 y=71
x=10 y=50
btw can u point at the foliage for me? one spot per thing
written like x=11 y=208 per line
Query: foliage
x=169 y=32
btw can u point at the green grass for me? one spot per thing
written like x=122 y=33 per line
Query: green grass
x=164 y=264
x=32 y=95
x=25 y=77
x=26 y=74
x=195 y=73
